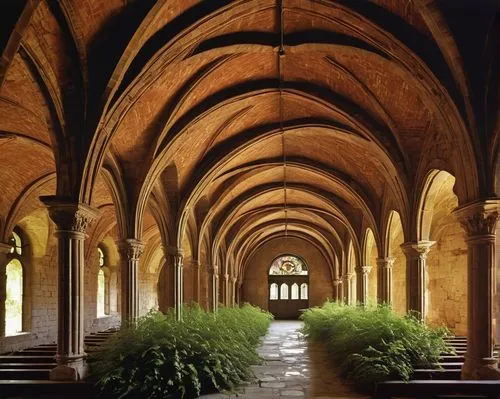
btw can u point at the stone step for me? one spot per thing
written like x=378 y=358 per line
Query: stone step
x=450 y=365
x=451 y=358
x=437 y=374
x=27 y=365
x=26 y=359
x=25 y=374
x=33 y=352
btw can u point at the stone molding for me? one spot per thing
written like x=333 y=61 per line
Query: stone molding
x=70 y=216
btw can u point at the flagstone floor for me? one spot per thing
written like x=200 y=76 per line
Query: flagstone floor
x=292 y=369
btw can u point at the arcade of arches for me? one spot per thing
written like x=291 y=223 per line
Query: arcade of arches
x=155 y=153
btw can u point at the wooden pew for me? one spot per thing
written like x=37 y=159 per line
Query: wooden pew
x=433 y=388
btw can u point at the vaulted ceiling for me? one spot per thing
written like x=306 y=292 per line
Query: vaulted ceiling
x=223 y=124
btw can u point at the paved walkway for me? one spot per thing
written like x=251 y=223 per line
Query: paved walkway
x=291 y=369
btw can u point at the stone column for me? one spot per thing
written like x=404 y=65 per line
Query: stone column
x=225 y=293
x=384 y=279
x=214 y=286
x=233 y=291
x=4 y=260
x=239 y=285
x=416 y=259
x=72 y=220
x=348 y=288
x=131 y=250
x=196 y=280
x=479 y=221
x=336 y=289
x=362 y=283
x=176 y=257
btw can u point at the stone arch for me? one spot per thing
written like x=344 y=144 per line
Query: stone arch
x=394 y=239
x=446 y=265
x=370 y=256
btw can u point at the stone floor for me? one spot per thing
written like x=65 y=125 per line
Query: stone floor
x=292 y=369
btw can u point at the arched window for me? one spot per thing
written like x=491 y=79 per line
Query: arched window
x=288 y=265
x=284 y=291
x=273 y=292
x=303 y=291
x=16 y=243
x=295 y=291
x=14 y=297
x=102 y=286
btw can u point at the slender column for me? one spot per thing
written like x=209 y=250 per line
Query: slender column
x=336 y=289
x=239 y=285
x=233 y=291
x=4 y=259
x=196 y=280
x=348 y=288
x=341 y=290
x=225 y=288
x=131 y=250
x=479 y=221
x=72 y=220
x=176 y=275
x=384 y=280
x=214 y=284
x=416 y=259
x=362 y=283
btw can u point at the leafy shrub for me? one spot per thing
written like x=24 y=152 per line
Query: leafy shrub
x=163 y=358
x=372 y=344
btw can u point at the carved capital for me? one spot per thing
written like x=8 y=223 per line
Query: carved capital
x=69 y=216
x=178 y=261
x=366 y=269
x=418 y=249
x=214 y=269
x=337 y=282
x=132 y=249
x=479 y=218
x=174 y=251
x=386 y=262
x=195 y=263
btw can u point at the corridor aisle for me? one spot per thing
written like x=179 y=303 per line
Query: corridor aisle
x=291 y=369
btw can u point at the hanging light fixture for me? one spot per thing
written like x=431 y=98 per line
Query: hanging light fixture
x=281 y=58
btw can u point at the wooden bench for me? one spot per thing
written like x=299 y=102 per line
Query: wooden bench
x=46 y=389
x=433 y=388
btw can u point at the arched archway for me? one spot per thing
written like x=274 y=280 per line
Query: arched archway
x=288 y=282
x=446 y=291
x=395 y=237
x=370 y=259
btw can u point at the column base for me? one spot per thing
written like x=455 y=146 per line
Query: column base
x=71 y=370
x=480 y=369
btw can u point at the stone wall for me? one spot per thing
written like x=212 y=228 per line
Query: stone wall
x=447 y=279
x=255 y=287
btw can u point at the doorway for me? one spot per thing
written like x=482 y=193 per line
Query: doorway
x=288 y=286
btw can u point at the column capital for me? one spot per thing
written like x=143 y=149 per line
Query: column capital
x=337 y=282
x=234 y=279
x=226 y=277
x=132 y=248
x=479 y=218
x=387 y=262
x=195 y=263
x=366 y=269
x=417 y=249
x=69 y=215
x=173 y=251
x=213 y=269
x=348 y=276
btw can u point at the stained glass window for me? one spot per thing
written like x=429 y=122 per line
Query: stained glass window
x=288 y=265
x=295 y=291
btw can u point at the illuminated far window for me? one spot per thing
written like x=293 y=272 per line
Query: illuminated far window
x=303 y=291
x=14 y=298
x=273 y=292
x=101 y=282
x=16 y=243
x=284 y=291
x=101 y=257
x=295 y=291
